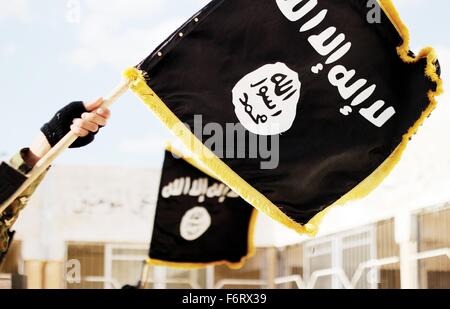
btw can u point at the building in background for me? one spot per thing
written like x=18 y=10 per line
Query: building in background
x=396 y=237
x=98 y=222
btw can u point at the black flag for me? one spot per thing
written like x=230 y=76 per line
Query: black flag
x=199 y=221
x=328 y=86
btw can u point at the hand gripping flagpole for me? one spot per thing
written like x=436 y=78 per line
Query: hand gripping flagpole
x=45 y=162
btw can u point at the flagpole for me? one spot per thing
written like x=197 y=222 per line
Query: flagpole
x=144 y=275
x=44 y=163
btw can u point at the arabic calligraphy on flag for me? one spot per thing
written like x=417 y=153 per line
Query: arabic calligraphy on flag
x=199 y=221
x=337 y=97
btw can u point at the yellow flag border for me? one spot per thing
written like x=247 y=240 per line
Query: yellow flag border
x=251 y=249
x=202 y=154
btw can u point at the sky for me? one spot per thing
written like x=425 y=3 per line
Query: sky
x=53 y=52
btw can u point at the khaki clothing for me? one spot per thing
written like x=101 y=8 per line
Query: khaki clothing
x=10 y=215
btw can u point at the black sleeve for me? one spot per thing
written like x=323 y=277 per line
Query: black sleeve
x=10 y=180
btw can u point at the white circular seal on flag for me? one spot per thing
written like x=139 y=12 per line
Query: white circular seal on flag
x=195 y=223
x=266 y=99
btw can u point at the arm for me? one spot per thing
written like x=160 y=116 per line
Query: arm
x=83 y=119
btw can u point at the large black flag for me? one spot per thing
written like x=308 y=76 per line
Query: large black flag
x=331 y=84
x=199 y=221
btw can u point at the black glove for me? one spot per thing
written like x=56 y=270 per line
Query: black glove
x=59 y=125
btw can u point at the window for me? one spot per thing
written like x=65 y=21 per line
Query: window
x=107 y=265
x=332 y=262
x=434 y=244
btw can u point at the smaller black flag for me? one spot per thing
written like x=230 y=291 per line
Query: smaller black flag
x=199 y=221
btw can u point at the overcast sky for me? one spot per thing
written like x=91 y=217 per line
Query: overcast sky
x=53 y=52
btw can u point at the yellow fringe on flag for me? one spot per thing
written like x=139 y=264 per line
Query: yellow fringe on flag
x=251 y=229
x=246 y=191
x=251 y=252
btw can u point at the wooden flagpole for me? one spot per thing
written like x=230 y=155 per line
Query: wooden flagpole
x=45 y=162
